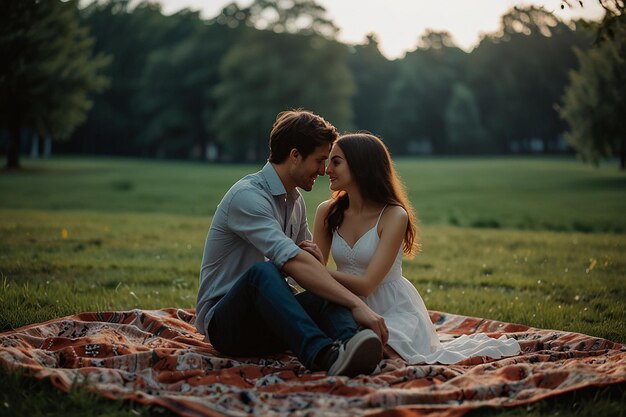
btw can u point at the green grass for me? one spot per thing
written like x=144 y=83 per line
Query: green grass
x=24 y=396
x=533 y=241
x=520 y=193
x=532 y=194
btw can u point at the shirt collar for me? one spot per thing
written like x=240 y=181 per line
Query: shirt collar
x=275 y=184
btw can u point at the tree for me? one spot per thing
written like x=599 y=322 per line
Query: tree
x=373 y=75
x=418 y=97
x=291 y=16
x=163 y=70
x=518 y=75
x=129 y=33
x=175 y=99
x=265 y=73
x=49 y=70
x=464 y=129
x=292 y=62
x=403 y=110
x=594 y=103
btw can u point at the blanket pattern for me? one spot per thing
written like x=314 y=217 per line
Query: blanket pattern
x=157 y=357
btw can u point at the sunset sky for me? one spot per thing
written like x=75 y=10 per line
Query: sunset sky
x=400 y=23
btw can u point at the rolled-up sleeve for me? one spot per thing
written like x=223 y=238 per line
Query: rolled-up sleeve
x=302 y=226
x=251 y=217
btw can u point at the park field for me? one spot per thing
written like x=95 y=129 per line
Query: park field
x=535 y=241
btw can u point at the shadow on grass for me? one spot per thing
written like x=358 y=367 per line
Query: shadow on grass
x=23 y=395
x=586 y=402
x=613 y=183
x=55 y=166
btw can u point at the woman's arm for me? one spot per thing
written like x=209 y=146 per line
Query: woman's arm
x=312 y=276
x=393 y=226
x=321 y=237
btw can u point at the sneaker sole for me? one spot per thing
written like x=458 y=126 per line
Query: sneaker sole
x=363 y=353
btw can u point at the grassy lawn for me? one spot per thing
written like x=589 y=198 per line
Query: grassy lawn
x=534 y=241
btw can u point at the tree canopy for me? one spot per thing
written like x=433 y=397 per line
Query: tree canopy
x=373 y=74
x=182 y=86
x=594 y=103
x=48 y=72
x=528 y=60
x=464 y=129
x=265 y=73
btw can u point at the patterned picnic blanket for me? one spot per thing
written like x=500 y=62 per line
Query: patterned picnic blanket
x=157 y=357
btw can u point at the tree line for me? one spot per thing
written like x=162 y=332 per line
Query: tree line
x=181 y=86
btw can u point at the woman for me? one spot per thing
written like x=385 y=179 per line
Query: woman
x=367 y=225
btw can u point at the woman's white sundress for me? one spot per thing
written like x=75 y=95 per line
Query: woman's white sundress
x=411 y=333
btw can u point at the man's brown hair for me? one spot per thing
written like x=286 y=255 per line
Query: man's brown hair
x=299 y=129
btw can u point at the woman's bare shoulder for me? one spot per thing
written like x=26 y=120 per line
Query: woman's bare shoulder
x=395 y=214
x=396 y=211
x=324 y=206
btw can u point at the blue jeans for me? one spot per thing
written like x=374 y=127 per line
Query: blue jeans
x=261 y=316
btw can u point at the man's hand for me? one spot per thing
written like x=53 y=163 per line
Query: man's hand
x=365 y=317
x=312 y=248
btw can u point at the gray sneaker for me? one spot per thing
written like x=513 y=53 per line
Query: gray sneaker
x=359 y=355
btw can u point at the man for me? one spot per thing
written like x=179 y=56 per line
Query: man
x=259 y=235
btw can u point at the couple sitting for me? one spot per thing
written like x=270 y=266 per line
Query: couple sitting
x=347 y=318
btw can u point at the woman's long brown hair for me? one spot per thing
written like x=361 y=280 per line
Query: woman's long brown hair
x=371 y=167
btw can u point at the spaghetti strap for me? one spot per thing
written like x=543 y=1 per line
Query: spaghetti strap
x=379 y=216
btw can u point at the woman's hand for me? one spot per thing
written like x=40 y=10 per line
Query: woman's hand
x=311 y=247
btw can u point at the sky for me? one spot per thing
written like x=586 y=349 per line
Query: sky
x=400 y=23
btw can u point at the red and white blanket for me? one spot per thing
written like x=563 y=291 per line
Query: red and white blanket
x=157 y=357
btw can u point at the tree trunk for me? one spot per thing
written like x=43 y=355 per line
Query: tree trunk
x=34 y=146
x=13 y=155
x=622 y=156
x=47 y=147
